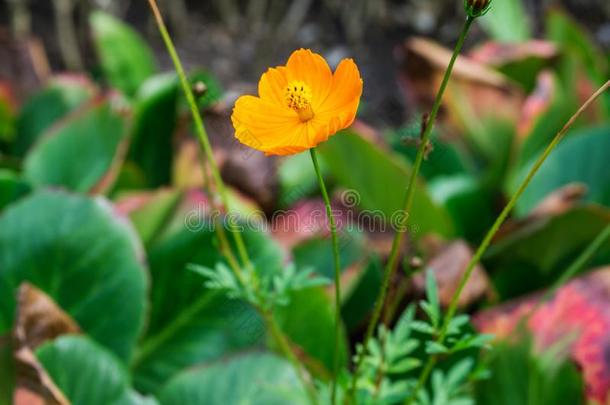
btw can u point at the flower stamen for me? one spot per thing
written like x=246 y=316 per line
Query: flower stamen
x=298 y=97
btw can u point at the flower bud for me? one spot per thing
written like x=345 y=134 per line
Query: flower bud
x=476 y=8
x=199 y=89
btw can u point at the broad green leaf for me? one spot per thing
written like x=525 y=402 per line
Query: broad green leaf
x=11 y=188
x=253 y=379
x=61 y=96
x=79 y=153
x=297 y=178
x=85 y=257
x=7 y=116
x=492 y=140
x=535 y=58
x=156 y=115
x=126 y=60
x=581 y=158
x=88 y=374
x=359 y=300
x=150 y=218
x=467 y=202
x=535 y=255
x=507 y=21
x=130 y=177
x=317 y=253
x=380 y=178
x=7 y=370
x=518 y=376
x=547 y=123
x=189 y=324
x=443 y=160
x=580 y=55
x=310 y=310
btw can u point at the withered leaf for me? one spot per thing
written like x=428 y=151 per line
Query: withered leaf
x=38 y=319
x=448 y=266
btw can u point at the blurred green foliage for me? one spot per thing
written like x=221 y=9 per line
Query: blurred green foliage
x=100 y=208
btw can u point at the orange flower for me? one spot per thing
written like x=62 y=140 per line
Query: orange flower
x=299 y=105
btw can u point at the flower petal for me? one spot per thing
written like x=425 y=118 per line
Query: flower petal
x=339 y=108
x=304 y=136
x=259 y=123
x=312 y=69
x=272 y=86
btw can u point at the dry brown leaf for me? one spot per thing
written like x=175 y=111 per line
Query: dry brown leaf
x=556 y=203
x=560 y=200
x=474 y=90
x=465 y=68
x=186 y=170
x=23 y=396
x=502 y=53
x=33 y=377
x=448 y=267
x=38 y=319
x=24 y=64
x=537 y=103
x=578 y=309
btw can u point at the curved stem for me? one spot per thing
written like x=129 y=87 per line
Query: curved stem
x=201 y=132
x=391 y=265
x=582 y=260
x=337 y=266
x=226 y=250
x=284 y=345
x=494 y=229
x=577 y=265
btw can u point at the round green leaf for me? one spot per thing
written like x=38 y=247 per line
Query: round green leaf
x=358 y=164
x=311 y=309
x=253 y=379
x=156 y=116
x=63 y=95
x=88 y=374
x=126 y=60
x=581 y=158
x=189 y=324
x=536 y=254
x=82 y=255
x=467 y=201
x=80 y=152
x=11 y=188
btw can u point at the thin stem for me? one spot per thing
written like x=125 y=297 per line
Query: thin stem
x=281 y=340
x=391 y=265
x=226 y=250
x=201 y=132
x=494 y=229
x=151 y=344
x=579 y=263
x=582 y=260
x=337 y=265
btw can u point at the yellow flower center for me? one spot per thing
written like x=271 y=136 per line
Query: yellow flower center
x=298 y=97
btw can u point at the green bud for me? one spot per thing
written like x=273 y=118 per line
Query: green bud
x=476 y=8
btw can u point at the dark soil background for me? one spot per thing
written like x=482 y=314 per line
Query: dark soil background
x=238 y=39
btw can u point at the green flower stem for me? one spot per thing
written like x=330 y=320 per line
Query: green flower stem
x=337 y=264
x=577 y=265
x=270 y=322
x=492 y=232
x=391 y=265
x=581 y=261
x=201 y=132
x=152 y=344
x=282 y=341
